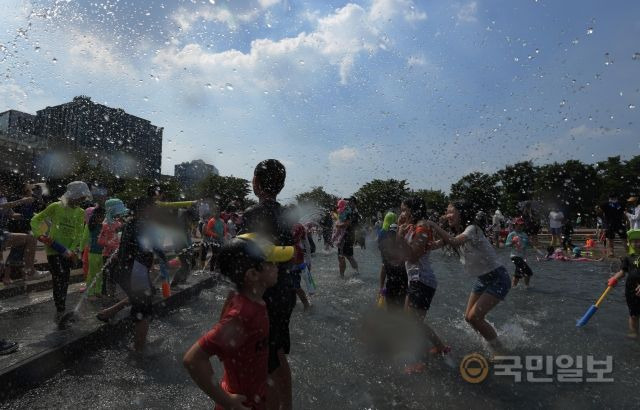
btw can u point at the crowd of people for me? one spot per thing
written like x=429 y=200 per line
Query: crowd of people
x=265 y=251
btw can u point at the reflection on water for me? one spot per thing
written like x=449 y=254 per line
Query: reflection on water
x=333 y=369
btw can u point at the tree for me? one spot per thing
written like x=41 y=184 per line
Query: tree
x=435 y=199
x=478 y=189
x=224 y=190
x=517 y=183
x=318 y=198
x=380 y=196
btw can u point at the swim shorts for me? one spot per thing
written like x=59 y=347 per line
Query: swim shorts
x=346 y=248
x=633 y=303
x=495 y=283
x=522 y=269
x=420 y=295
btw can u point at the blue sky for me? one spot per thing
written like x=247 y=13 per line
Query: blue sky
x=342 y=91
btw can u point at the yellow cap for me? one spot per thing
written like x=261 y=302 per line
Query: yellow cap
x=270 y=252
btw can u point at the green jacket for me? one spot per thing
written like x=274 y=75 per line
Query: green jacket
x=64 y=225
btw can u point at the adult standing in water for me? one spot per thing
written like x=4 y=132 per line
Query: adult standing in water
x=614 y=222
x=480 y=260
x=345 y=247
x=556 y=221
x=267 y=218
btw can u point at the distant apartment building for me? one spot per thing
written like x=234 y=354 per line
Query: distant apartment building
x=19 y=147
x=120 y=142
x=188 y=174
x=124 y=143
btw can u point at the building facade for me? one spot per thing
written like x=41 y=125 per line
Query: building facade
x=46 y=144
x=19 y=146
x=188 y=174
x=120 y=142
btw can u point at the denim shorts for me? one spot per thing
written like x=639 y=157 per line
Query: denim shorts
x=496 y=283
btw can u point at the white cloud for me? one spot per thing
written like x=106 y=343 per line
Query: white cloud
x=467 y=13
x=387 y=9
x=268 y=3
x=338 y=39
x=12 y=96
x=343 y=154
x=233 y=14
x=584 y=131
x=93 y=54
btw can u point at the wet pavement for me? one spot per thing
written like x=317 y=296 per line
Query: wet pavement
x=334 y=366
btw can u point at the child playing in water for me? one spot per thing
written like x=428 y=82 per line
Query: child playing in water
x=241 y=338
x=422 y=280
x=339 y=230
x=479 y=259
x=519 y=241
x=109 y=237
x=631 y=266
x=393 y=274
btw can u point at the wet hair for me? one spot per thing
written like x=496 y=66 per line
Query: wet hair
x=270 y=175
x=418 y=208
x=234 y=261
x=467 y=212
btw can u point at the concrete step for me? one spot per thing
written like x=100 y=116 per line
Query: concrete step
x=44 y=350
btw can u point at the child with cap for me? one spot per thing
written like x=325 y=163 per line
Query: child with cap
x=630 y=265
x=109 y=237
x=519 y=241
x=241 y=338
x=66 y=221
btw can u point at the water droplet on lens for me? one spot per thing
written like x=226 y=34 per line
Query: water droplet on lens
x=208 y=85
x=54 y=60
x=212 y=1
x=632 y=106
x=229 y=86
x=590 y=30
x=301 y=62
x=146 y=98
x=636 y=56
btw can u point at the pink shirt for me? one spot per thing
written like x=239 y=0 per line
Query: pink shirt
x=109 y=238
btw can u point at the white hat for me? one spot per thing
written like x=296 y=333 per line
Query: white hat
x=76 y=190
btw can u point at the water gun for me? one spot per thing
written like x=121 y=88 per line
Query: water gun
x=308 y=278
x=56 y=246
x=381 y=303
x=594 y=308
x=164 y=272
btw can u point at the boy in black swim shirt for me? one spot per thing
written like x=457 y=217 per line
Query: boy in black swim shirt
x=267 y=219
x=630 y=266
